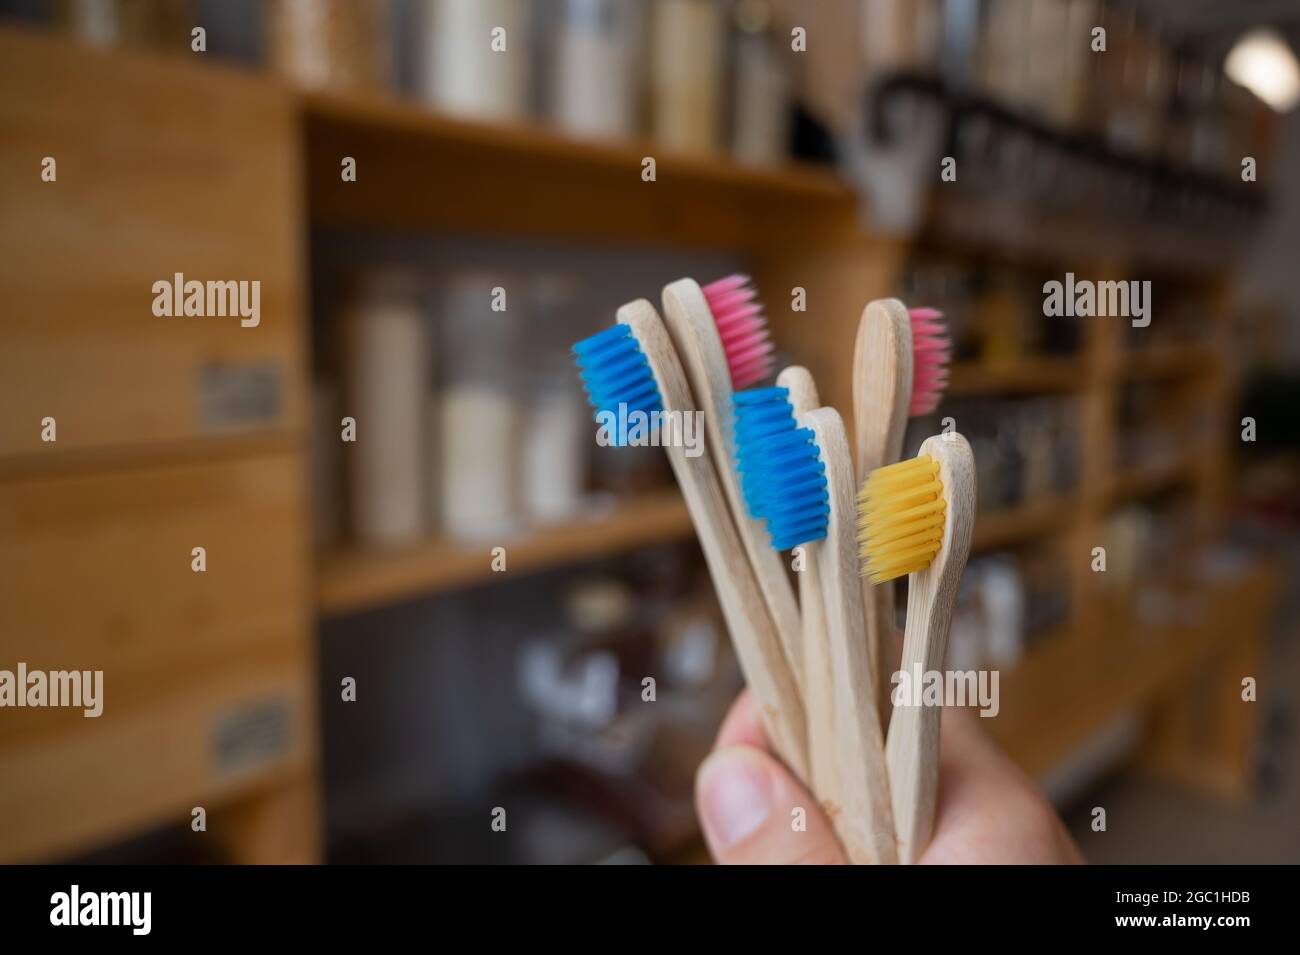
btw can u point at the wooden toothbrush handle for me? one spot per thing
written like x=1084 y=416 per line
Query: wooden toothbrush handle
x=882 y=390
x=691 y=327
x=912 y=746
x=755 y=637
x=864 y=820
x=818 y=686
x=817 y=679
x=758 y=645
x=881 y=643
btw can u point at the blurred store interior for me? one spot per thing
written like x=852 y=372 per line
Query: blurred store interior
x=360 y=675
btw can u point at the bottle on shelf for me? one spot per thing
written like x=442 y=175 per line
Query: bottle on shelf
x=477 y=410
x=760 y=94
x=387 y=368
x=474 y=57
x=686 y=74
x=593 y=67
x=554 y=437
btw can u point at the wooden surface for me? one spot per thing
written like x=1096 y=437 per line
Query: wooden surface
x=883 y=363
x=912 y=745
x=129 y=773
x=754 y=636
x=1202 y=733
x=818 y=684
x=354 y=578
x=95 y=574
x=278 y=825
x=864 y=817
x=525 y=180
x=164 y=165
x=204 y=181
x=1073 y=683
x=695 y=336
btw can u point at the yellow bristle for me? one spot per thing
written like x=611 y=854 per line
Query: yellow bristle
x=901 y=514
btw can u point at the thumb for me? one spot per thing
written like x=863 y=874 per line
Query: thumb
x=754 y=812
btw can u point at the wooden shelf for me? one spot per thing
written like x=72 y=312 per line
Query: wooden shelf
x=1072 y=685
x=103 y=460
x=1149 y=478
x=1022 y=376
x=1166 y=362
x=1014 y=525
x=534 y=141
x=1068 y=688
x=354 y=578
x=419 y=169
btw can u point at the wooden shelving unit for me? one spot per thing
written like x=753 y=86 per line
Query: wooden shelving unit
x=793 y=227
x=164 y=165
x=1077 y=681
x=478 y=178
x=1105 y=662
x=353 y=579
x=537 y=145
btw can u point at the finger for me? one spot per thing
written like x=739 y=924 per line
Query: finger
x=741 y=726
x=754 y=812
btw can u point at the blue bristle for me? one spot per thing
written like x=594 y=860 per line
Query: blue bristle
x=615 y=372
x=782 y=475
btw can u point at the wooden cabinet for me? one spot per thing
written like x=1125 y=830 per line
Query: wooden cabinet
x=172 y=433
x=206 y=686
x=162 y=167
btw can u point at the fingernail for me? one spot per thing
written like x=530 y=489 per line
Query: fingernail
x=735 y=795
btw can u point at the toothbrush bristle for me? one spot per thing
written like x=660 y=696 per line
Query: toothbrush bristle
x=782 y=476
x=618 y=381
x=742 y=327
x=900 y=518
x=931 y=350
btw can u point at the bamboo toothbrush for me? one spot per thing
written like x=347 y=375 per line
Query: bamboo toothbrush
x=633 y=365
x=818 y=700
x=800 y=480
x=899 y=370
x=915 y=517
x=721 y=336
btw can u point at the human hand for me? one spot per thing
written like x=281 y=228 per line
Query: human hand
x=987 y=812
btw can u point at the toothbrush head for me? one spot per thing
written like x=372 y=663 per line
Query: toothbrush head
x=738 y=315
x=901 y=513
x=782 y=476
x=931 y=351
x=618 y=379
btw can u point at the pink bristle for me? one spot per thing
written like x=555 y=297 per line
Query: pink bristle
x=931 y=351
x=742 y=327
